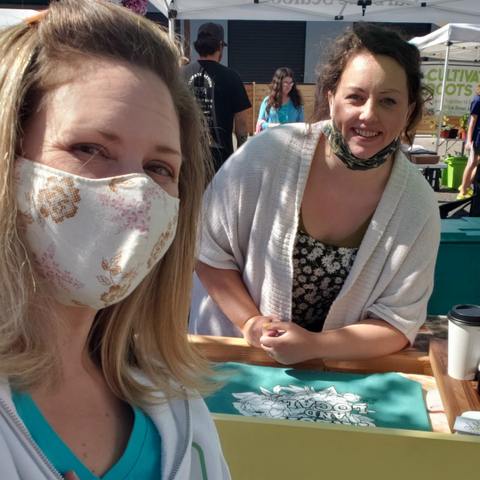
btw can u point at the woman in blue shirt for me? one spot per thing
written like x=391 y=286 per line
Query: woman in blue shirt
x=284 y=104
x=473 y=145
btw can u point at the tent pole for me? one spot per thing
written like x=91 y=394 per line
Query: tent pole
x=442 y=98
x=172 y=15
x=171 y=29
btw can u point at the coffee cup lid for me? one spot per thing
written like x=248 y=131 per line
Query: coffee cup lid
x=465 y=314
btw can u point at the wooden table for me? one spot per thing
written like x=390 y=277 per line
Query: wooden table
x=432 y=173
x=227 y=349
x=458 y=396
x=264 y=448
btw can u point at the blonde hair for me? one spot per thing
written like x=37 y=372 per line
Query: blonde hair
x=148 y=329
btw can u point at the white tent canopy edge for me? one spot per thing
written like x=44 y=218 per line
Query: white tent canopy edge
x=416 y=11
x=12 y=16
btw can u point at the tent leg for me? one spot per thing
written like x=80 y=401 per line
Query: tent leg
x=171 y=29
x=442 y=98
x=172 y=15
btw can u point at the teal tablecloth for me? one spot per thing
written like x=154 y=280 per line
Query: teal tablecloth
x=379 y=400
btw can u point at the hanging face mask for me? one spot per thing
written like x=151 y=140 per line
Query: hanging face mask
x=92 y=240
x=340 y=148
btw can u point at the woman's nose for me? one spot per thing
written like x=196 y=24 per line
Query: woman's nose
x=126 y=166
x=369 y=111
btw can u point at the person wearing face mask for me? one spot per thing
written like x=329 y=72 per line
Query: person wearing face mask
x=283 y=105
x=102 y=172
x=326 y=243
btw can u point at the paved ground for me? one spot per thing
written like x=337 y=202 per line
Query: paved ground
x=449 y=195
x=446 y=195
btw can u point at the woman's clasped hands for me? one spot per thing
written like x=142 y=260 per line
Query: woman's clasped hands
x=287 y=342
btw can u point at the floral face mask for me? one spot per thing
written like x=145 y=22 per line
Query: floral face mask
x=92 y=240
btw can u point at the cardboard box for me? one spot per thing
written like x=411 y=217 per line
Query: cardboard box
x=425 y=159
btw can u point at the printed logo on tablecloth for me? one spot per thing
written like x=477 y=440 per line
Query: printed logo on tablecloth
x=297 y=403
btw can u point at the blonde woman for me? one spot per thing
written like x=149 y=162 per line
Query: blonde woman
x=102 y=173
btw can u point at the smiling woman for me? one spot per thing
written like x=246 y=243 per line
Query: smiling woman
x=326 y=246
x=103 y=165
x=370 y=106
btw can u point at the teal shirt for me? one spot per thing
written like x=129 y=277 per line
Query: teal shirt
x=285 y=114
x=140 y=460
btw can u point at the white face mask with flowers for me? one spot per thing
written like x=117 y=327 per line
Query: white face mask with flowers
x=92 y=240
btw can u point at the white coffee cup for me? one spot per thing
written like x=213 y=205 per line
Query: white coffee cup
x=463 y=341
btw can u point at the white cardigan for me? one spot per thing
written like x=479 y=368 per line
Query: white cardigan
x=251 y=215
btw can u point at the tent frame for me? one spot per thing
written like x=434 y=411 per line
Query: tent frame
x=443 y=39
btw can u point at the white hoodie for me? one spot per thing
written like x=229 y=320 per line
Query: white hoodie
x=190 y=444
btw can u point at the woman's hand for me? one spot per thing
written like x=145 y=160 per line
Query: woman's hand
x=288 y=343
x=71 y=475
x=365 y=339
x=273 y=125
x=253 y=328
x=468 y=146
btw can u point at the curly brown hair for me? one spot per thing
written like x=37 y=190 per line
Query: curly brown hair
x=275 y=97
x=378 y=40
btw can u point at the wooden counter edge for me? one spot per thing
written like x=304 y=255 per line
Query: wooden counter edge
x=458 y=396
x=228 y=349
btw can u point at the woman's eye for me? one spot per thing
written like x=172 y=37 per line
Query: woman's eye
x=389 y=101
x=354 y=97
x=160 y=169
x=89 y=149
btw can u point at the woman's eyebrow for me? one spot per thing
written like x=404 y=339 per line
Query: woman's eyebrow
x=166 y=149
x=112 y=137
x=385 y=90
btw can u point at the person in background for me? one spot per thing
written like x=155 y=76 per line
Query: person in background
x=320 y=240
x=219 y=91
x=472 y=145
x=284 y=104
x=102 y=172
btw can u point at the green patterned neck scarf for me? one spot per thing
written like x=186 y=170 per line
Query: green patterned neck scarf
x=341 y=149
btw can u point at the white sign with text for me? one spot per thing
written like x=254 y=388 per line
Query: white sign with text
x=461 y=87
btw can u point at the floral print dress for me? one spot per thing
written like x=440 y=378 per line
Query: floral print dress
x=319 y=272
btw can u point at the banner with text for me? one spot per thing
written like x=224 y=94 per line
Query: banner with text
x=461 y=87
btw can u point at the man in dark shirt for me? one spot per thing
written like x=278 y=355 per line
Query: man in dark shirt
x=220 y=92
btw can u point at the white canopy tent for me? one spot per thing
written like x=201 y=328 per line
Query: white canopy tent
x=11 y=16
x=452 y=42
x=419 y=11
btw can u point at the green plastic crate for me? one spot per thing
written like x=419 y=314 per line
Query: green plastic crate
x=445 y=172
x=456 y=167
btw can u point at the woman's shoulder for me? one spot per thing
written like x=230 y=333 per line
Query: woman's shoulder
x=282 y=146
x=275 y=143
x=417 y=192
x=268 y=153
